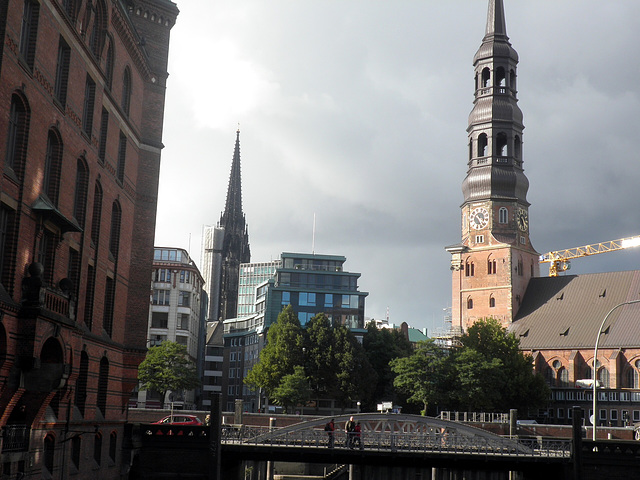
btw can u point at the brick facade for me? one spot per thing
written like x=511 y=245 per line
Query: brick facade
x=82 y=88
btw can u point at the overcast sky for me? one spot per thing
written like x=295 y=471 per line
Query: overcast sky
x=356 y=111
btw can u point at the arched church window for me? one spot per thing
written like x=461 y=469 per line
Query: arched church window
x=501 y=144
x=563 y=377
x=603 y=376
x=503 y=215
x=470 y=149
x=482 y=145
x=512 y=79
x=469 y=269
x=486 y=76
x=469 y=303
x=491 y=266
x=501 y=77
x=492 y=301
x=557 y=364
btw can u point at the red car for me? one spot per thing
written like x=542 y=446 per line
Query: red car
x=180 y=420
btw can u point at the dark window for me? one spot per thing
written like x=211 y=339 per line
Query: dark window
x=96 y=217
x=89 y=297
x=122 y=157
x=184 y=299
x=6 y=247
x=491 y=264
x=80 y=197
x=29 y=32
x=109 y=302
x=62 y=71
x=161 y=297
x=114 y=237
x=97 y=448
x=183 y=321
x=126 y=90
x=469 y=269
x=486 y=76
x=48 y=452
x=76 y=448
x=46 y=254
x=113 y=443
x=159 y=319
x=104 y=130
x=71 y=7
x=470 y=303
x=99 y=31
x=492 y=302
x=103 y=386
x=81 y=383
x=52 y=166
x=17 y=134
x=73 y=271
x=89 y=102
x=109 y=64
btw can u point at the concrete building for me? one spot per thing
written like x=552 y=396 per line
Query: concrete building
x=82 y=87
x=213 y=360
x=495 y=269
x=175 y=316
x=311 y=284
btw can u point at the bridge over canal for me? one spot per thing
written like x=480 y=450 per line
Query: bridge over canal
x=403 y=441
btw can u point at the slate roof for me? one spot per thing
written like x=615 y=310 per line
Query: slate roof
x=566 y=312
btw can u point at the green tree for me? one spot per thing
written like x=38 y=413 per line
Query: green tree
x=493 y=374
x=293 y=390
x=356 y=378
x=167 y=367
x=381 y=346
x=320 y=359
x=423 y=375
x=280 y=355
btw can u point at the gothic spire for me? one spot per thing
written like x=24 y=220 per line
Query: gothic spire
x=232 y=215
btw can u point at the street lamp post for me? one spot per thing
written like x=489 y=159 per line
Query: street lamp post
x=595 y=360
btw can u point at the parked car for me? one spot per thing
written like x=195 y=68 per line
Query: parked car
x=179 y=420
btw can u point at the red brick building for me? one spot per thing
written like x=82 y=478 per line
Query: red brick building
x=82 y=87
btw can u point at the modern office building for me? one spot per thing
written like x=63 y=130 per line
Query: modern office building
x=224 y=247
x=495 y=269
x=82 y=90
x=174 y=315
x=252 y=275
x=311 y=284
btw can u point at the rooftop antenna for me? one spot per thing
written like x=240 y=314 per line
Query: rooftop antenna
x=313 y=236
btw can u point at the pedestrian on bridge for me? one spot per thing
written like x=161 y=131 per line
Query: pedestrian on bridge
x=329 y=428
x=350 y=430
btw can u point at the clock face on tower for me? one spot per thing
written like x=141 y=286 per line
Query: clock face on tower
x=522 y=219
x=479 y=218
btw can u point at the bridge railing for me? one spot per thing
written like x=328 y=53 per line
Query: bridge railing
x=406 y=442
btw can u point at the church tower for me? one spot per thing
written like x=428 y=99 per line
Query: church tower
x=493 y=263
x=225 y=247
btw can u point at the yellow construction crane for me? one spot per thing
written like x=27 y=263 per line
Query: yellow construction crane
x=560 y=260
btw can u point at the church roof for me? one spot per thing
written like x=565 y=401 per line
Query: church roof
x=566 y=312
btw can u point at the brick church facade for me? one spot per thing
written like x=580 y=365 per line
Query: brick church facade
x=495 y=268
x=82 y=88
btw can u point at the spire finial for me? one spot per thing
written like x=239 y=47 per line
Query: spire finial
x=496 y=24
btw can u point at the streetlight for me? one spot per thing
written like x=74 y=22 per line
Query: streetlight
x=595 y=360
